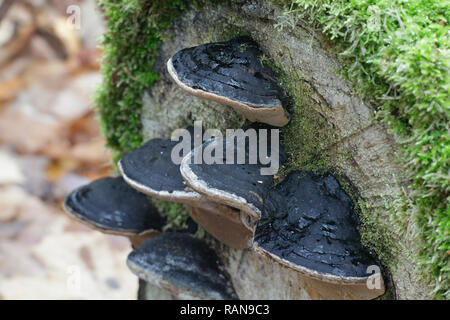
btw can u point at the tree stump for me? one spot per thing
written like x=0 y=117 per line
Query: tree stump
x=330 y=122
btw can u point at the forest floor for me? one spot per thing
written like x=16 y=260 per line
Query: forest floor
x=50 y=143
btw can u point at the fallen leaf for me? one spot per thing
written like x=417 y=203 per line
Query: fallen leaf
x=18 y=26
x=10 y=172
x=29 y=134
x=86 y=257
x=9 y=89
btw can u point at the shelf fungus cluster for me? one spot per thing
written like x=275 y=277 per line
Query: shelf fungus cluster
x=304 y=223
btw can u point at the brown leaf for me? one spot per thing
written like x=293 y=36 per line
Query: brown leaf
x=18 y=26
x=29 y=134
x=86 y=257
x=9 y=89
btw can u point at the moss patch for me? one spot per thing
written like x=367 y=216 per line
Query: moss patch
x=175 y=213
x=308 y=136
x=377 y=237
x=135 y=28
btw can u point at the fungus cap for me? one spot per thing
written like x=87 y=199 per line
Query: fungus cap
x=240 y=187
x=150 y=170
x=231 y=73
x=309 y=225
x=236 y=183
x=112 y=206
x=182 y=264
x=306 y=222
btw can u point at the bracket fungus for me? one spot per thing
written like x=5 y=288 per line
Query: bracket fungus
x=240 y=187
x=306 y=222
x=112 y=206
x=231 y=73
x=309 y=224
x=151 y=170
x=183 y=265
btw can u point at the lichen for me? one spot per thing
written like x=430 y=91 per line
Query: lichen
x=308 y=136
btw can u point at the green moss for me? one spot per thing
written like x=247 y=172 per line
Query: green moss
x=175 y=213
x=308 y=138
x=386 y=296
x=308 y=134
x=376 y=236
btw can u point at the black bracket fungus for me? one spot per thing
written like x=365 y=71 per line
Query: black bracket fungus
x=309 y=223
x=151 y=170
x=306 y=222
x=239 y=186
x=112 y=206
x=231 y=73
x=185 y=266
